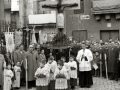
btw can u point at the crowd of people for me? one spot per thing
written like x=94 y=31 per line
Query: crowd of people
x=50 y=70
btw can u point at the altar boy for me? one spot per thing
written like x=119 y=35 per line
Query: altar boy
x=42 y=77
x=8 y=75
x=52 y=65
x=68 y=71
x=73 y=72
x=60 y=76
x=17 y=69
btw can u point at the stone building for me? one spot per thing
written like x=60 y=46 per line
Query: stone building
x=97 y=18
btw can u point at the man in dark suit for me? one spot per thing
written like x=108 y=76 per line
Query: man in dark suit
x=19 y=56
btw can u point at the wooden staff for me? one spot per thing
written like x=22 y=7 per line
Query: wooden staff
x=26 y=76
x=100 y=66
x=106 y=66
x=69 y=51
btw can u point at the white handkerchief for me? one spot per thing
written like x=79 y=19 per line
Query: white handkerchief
x=95 y=66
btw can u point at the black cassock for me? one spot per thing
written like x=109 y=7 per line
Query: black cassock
x=112 y=59
x=104 y=51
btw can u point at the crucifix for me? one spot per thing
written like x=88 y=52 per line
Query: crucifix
x=60 y=6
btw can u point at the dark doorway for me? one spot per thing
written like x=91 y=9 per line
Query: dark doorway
x=105 y=35
x=79 y=35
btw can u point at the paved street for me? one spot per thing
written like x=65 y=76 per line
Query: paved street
x=99 y=84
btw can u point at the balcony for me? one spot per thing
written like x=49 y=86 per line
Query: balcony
x=7 y=4
x=105 y=6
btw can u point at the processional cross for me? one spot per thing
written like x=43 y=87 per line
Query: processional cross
x=60 y=5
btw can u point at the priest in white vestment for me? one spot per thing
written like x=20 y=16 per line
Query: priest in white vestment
x=84 y=57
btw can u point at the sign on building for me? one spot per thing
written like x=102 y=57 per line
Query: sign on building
x=84 y=17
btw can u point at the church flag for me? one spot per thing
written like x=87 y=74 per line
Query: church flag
x=9 y=37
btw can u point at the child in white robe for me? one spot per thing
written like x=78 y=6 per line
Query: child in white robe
x=73 y=72
x=60 y=76
x=17 y=69
x=42 y=77
x=8 y=74
x=52 y=64
x=68 y=71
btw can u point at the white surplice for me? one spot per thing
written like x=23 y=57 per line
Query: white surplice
x=68 y=70
x=73 y=73
x=61 y=83
x=8 y=74
x=52 y=67
x=42 y=81
x=83 y=64
x=16 y=82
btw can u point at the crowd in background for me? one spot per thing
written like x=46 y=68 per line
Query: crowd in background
x=41 y=58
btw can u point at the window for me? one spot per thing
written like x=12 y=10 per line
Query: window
x=81 y=10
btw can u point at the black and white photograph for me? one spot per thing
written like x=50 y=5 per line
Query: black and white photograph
x=59 y=44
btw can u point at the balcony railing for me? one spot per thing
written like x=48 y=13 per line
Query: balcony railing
x=7 y=4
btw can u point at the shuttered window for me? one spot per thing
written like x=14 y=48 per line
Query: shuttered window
x=81 y=10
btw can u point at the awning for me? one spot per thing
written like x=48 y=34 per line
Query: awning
x=105 y=6
x=42 y=19
x=105 y=11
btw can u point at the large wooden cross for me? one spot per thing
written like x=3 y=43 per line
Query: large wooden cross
x=60 y=6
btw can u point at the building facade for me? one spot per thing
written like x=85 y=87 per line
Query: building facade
x=89 y=21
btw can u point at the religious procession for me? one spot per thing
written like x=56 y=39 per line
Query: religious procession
x=59 y=45
x=60 y=69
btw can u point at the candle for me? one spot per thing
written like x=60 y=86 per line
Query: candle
x=105 y=56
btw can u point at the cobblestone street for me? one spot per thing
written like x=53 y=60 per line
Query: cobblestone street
x=99 y=84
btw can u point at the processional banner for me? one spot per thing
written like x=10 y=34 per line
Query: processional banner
x=33 y=38
x=18 y=37
x=9 y=37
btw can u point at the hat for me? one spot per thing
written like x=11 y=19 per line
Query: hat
x=60 y=62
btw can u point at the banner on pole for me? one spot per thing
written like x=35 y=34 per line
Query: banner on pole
x=44 y=38
x=18 y=37
x=9 y=37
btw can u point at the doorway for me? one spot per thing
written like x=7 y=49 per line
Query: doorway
x=105 y=35
x=79 y=35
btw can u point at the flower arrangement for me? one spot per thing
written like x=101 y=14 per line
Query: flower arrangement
x=60 y=39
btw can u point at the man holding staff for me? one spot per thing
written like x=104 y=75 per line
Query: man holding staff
x=31 y=66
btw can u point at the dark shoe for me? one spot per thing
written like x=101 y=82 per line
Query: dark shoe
x=87 y=86
x=116 y=79
x=17 y=88
x=29 y=87
x=82 y=86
